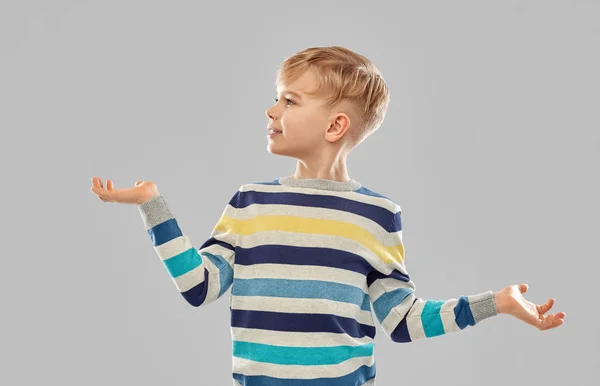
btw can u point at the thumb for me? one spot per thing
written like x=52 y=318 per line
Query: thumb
x=523 y=288
x=138 y=183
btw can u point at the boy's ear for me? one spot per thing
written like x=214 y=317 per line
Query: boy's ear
x=338 y=127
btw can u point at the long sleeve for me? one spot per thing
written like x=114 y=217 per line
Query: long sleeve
x=405 y=317
x=200 y=275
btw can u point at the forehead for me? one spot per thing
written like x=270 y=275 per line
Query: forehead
x=305 y=82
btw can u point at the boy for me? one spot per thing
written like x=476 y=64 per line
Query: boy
x=310 y=256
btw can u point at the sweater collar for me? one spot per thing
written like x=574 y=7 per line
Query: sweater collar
x=319 y=183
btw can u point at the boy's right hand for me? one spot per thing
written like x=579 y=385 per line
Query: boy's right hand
x=142 y=192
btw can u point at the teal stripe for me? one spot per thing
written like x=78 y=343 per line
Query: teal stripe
x=431 y=319
x=302 y=289
x=306 y=356
x=183 y=263
x=225 y=271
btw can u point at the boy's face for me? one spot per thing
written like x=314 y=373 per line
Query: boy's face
x=303 y=120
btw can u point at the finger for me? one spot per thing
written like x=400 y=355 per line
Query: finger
x=547 y=323
x=555 y=323
x=97 y=183
x=546 y=307
x=109 y=185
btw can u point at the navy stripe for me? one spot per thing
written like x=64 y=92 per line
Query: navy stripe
x=197 y=294
x=373 y=212
x=297 y=322
x=357 y=377
x=400 y=333
x=362 y=190
x=295 y=255
x=394 y=275
x=212 y=241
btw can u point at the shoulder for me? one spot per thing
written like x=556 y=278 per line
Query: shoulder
x=391 y=204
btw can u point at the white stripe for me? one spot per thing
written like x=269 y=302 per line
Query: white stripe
x=214 y=280
x=396 y=314
x=302 y=272
x=413 y=321
x=302 y=306
x=249 y=367
x=182 y=243
x=297 y=339
x=173 y=247
x=448 y=317
x=387 y=285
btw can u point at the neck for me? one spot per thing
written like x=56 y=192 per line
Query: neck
x=334 y=170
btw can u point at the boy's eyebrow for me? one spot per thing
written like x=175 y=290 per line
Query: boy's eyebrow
x=292 y=93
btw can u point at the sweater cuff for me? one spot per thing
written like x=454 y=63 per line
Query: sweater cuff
x=483 y=306
x=154 y=211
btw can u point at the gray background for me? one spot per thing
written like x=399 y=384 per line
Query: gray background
x=491 y=146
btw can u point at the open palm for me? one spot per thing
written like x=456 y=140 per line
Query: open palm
x=531 y=313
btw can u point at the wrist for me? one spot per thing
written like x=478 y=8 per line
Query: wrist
x=500 y=303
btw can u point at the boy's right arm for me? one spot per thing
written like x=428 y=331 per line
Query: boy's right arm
x=200 y=275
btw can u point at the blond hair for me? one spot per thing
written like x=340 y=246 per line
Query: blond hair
x=343 y=76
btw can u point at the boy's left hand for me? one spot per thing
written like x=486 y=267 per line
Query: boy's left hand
x=510 y=300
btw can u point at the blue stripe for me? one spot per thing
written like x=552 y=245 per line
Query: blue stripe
x=303 y=356
x=357 y=377
x=431 y=319
x=462 y=313
x=388 y=300
x=287 y=321
x=294 y=255
x=373 y=212
x=163 y=232
x=302 y=289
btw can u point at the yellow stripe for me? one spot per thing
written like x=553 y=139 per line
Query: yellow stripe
x=387 y=254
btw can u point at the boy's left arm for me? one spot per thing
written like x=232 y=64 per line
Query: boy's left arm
x=405 y=317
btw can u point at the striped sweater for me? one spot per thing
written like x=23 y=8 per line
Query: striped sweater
x=308 y=262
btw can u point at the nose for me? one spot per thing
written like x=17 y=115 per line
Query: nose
x=268 y=113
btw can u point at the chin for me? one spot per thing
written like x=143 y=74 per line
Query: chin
x=281 y=152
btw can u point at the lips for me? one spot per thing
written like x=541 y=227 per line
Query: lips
x=269 y=128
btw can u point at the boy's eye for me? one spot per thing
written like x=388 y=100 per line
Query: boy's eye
x=289 y=100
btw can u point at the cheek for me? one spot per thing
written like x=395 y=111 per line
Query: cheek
x=299 y=125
